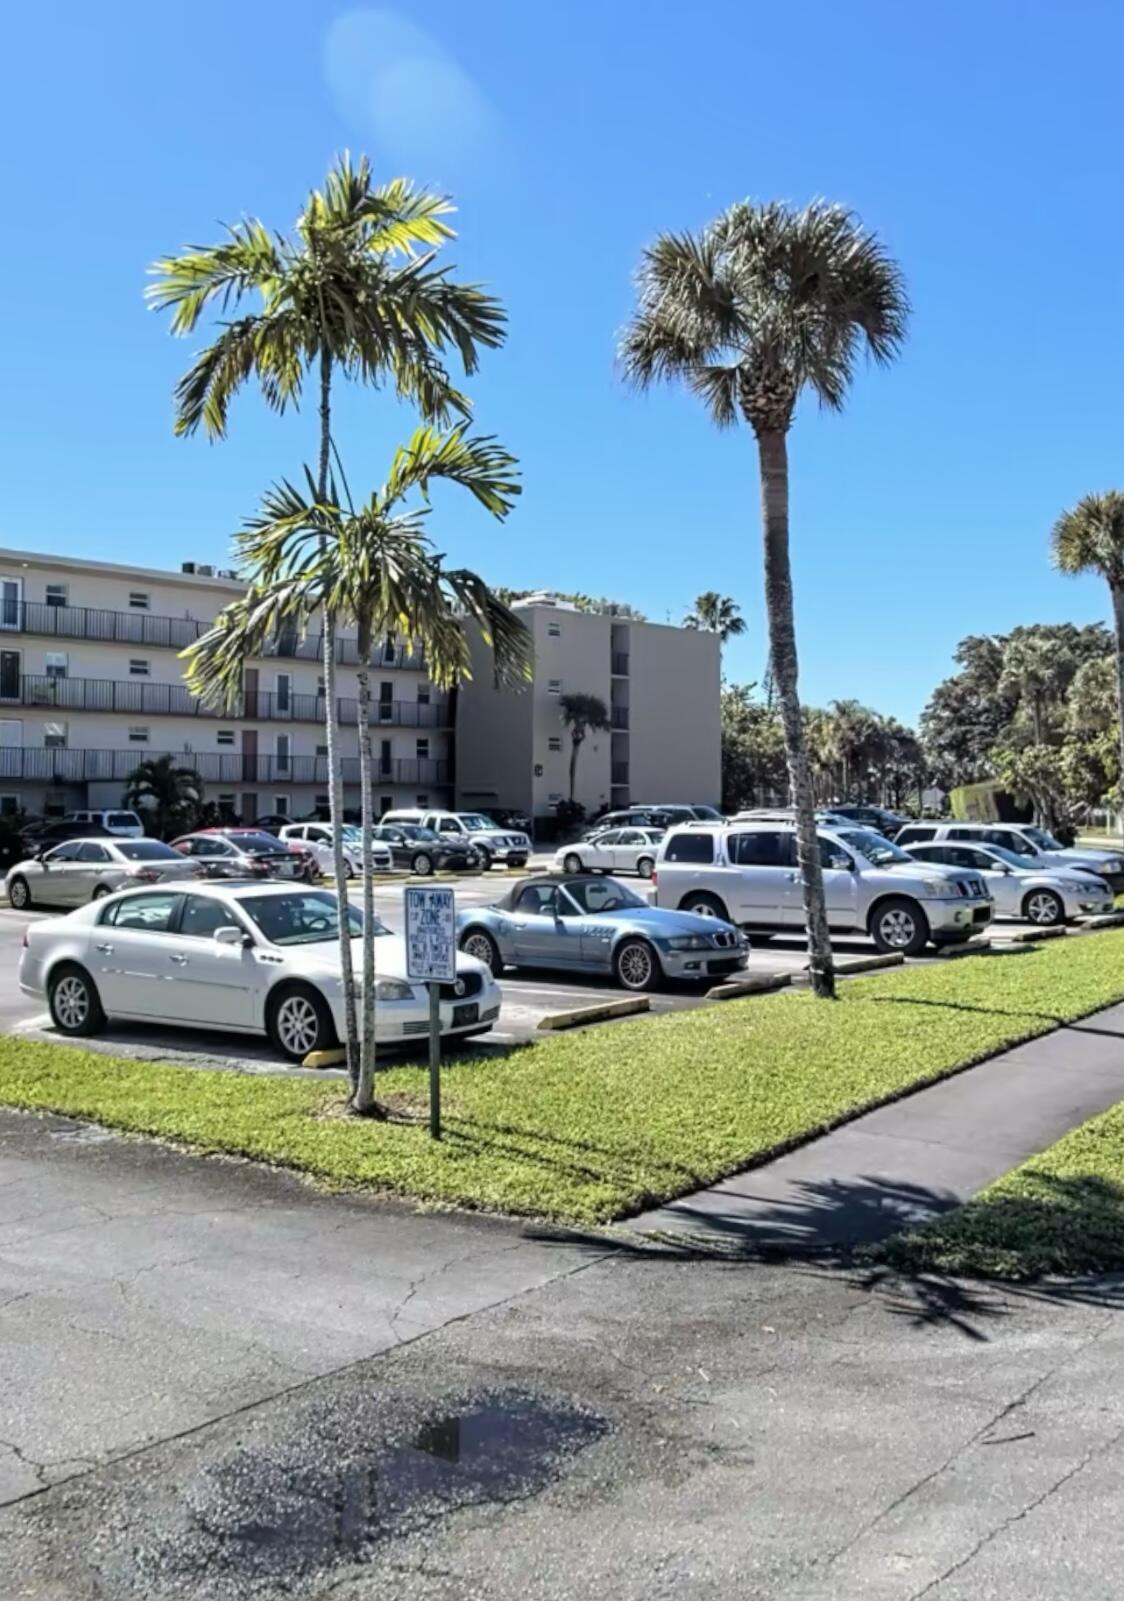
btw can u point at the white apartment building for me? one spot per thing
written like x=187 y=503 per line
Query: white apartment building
x=91 y=683
x=661 y=686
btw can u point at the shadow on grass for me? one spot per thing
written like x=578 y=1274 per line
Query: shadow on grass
x=1071 y=1025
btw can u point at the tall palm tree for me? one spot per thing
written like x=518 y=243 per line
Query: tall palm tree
x=765 y=303
x=580 y=713
x=347 y=292
x=1090 y=539
x=716 y=614
x=373 y=567
x=168 y=793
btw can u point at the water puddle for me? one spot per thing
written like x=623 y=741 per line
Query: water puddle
x=263 y=1521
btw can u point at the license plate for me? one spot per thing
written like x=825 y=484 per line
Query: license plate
x=468 y=1013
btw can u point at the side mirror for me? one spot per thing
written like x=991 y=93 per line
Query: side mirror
x=229 y=935
x=841 y=862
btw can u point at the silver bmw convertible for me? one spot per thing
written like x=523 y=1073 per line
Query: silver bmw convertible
x=580 y=923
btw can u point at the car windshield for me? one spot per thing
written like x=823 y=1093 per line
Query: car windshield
x=145 y=850
x=349 y=831
x=474 y=823
x=259 y=842
x=303 y=918
x=596 y=895
x=877 y=850
x=1012 y=858
x=416 y=831
x=1044 y=841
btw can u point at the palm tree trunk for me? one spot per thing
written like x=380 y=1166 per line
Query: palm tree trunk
x=1118 y=622
x=773 y=454
x=575 y=744
x=335 y=760
x=364 y=1098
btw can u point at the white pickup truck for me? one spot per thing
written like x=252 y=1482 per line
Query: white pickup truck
x=490 y=842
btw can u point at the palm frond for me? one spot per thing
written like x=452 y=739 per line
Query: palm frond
x=478 y=464
x=248 y=260
x=1089 y=537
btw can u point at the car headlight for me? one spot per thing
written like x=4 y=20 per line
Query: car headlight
x=393 y=989
x=1113 y=865
x=688 y=942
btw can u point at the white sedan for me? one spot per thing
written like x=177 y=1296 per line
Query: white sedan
x=1043 y=895
x=617 y=850
x=253 y=958
x=317 y=838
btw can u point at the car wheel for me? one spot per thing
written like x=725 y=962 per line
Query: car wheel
x=19 y=894
x=485 y=856
x=422 y=865
x=572 y=862
x=900 y=925
x=636 y=966
x=348 y=870
x=479 y=943
x=704 y=905
x=1044 y=908
x=74 y=1003
x=300 y=1021
x=101 y=892
x=645 y=867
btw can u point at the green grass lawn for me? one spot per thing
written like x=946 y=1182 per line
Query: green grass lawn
x=1061 y=1212
x=594 y=1125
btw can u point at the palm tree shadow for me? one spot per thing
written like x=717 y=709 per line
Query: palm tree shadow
x=1073 y=1026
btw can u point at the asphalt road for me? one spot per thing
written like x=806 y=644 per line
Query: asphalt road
x=219 y=1385
x=528 y=996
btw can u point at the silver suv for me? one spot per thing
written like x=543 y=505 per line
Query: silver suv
x=747 y=873
x=1042 y=849
x=490 y=842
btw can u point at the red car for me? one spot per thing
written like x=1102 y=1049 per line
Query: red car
x=247 y=853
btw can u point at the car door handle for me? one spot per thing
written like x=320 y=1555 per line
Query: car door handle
x=520 y=925
x=106 y=950
x=180 y=961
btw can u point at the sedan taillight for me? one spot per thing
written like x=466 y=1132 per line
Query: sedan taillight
x=145 y=875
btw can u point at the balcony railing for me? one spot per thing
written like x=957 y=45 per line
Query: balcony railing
x=176 y=633
x=619 y=773
x=619 y=664
x=619 y=716
x=140 y=697
x=67 y=766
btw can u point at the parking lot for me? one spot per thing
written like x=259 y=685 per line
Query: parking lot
x=528 y=997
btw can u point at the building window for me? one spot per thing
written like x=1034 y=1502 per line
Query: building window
x=282 y=753
x=421 y=800
x=321 y=750
x=138 y=668
x=54 y=736
x=554 y=686
x=554 y=630
x=56 y=664
x=386 y=804
x=423 y=694
x=138 y=600
x=384 y=756
x=284 y=691
x=9 y=805
x=56 y=594
x=227 y=805
x=225 y=736
x=423 y=750
x=554 y=742
x=11 y=594
x=321 y=803
x=281 y=805
x=554 y=799
x=138 y=736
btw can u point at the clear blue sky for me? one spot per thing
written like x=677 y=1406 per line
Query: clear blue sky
x=981 y=140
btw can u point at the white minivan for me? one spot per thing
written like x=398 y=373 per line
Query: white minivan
x=114 y=821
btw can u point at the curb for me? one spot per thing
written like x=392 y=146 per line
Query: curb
x=1033 y=936
x=1090 y=925
x=972 y=947
x=596 y=1014
x=334 y=1058
x=760 y=984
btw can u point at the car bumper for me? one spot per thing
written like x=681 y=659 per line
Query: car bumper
x=1078 y=904
x=953 y=918
x=696 y=965
x=400 y=1022
x=512 y=855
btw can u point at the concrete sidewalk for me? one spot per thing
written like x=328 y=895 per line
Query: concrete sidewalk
x=914 y=1158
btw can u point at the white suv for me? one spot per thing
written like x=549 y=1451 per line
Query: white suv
x=490 y=842
x=1042 y=850
x=127 y=825
x=747 y=873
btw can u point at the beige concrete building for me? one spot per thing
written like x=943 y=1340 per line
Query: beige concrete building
x=91 y=683
x=662 y=688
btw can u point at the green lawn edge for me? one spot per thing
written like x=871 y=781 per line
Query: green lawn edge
x=1059 y=1213
x=592 y=1127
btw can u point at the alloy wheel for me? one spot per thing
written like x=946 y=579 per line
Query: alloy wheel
x=298 y=1026
x=897 y=928
x=1042 y=908
x=481 y=947
x=72 y=1002
x=634 y=966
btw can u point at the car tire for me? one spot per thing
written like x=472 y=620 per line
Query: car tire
x=1043 y=908
x=479 y=943
x=485 y=856
x=73 y=1001
x=348 y=871
x=701 y=904
x=572 y=863
x=19 y=893
x=899 y=924
x=100 y=892
x=636 y=966
x=299 y=1020
x=646 y=866
x=421 y=865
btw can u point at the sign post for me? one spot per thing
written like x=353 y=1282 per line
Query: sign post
x=431 y=958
